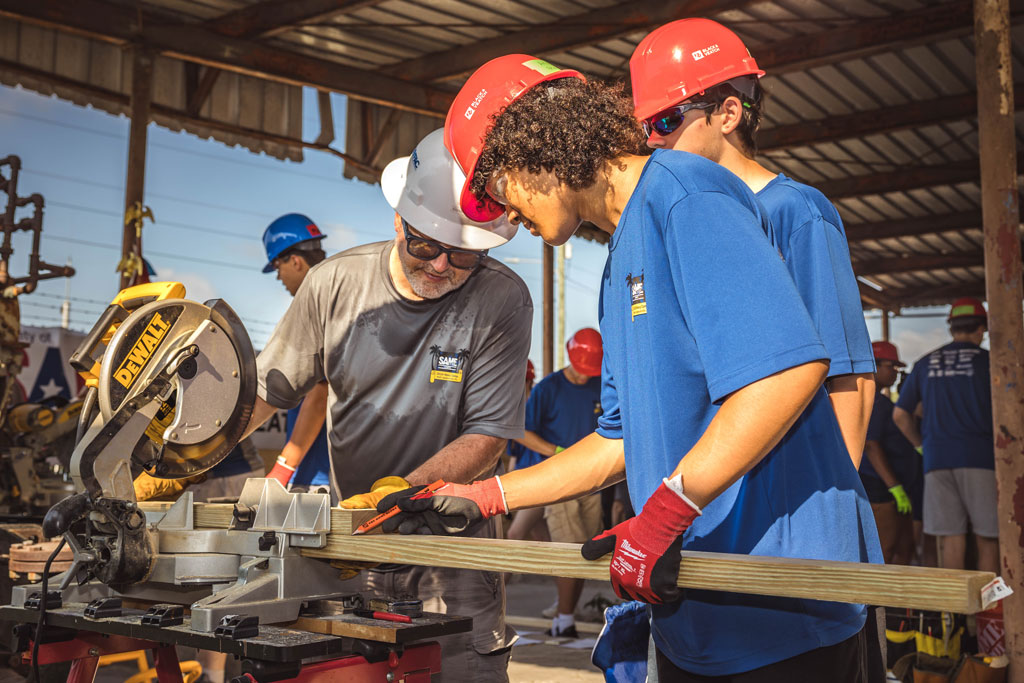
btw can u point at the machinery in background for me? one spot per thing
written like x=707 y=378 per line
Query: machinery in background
x=36 y=443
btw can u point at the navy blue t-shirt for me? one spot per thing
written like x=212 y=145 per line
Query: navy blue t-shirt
x=315 y=468
x=810 y=237
x=562 y=412
x=523 y=455
x=696 y=303
x=905 y=461
x=952 y=384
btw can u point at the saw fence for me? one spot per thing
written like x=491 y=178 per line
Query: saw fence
x=926 y=588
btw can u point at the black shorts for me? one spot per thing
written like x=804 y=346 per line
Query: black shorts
x=844 y=662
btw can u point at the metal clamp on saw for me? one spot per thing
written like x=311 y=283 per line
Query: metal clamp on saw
x=170 y=392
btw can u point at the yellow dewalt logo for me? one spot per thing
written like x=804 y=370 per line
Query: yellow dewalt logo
x=141 y=352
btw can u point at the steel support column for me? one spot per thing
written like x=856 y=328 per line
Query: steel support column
x=549 y=310
x=135 y=179
x=885 y=324
x=1001 y=217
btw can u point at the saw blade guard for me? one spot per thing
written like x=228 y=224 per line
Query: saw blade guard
x=212 y=393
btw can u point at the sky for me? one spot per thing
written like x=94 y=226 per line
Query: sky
x=212 y=203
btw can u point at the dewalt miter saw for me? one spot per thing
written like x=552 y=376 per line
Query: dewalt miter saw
x=171 y=384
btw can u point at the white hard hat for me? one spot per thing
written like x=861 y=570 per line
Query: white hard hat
x=424 y=189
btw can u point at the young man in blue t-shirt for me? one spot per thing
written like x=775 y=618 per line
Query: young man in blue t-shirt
x=563 y=408
x=891 y=469
x=712 y=391
x=693 y=98
x=951 y=387
x=293 y=245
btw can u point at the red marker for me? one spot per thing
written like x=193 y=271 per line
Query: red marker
x=379 y=519
x=386 y=616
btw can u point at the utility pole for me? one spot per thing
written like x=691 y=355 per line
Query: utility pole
x=548 y=311
x=135 y=179
x=65 y=306
x=1000 y=211
x=560 y=334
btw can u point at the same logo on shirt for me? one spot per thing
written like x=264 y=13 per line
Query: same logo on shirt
x=447 y=366
x=638 y=301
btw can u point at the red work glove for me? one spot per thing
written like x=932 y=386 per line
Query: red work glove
x=453 y=509
x=282 y=472
x=645 y=563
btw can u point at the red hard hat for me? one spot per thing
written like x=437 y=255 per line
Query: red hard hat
x=490 y=89
x=886 y=351
x=684 y=58
x=967 y=306
x=585 y=352
x=530 y=372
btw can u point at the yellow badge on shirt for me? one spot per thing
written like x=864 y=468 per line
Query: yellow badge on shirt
x=638 y=301
x=447 y=366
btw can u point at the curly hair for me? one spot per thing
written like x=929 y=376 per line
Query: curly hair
x=564 y=126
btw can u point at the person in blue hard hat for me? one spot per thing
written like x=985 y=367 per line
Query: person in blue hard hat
x=293 y=244
x=293 y=247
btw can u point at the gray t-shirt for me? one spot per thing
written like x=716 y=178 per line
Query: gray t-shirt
x=406 y=377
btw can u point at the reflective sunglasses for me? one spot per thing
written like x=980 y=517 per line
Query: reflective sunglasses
x=667 y=121
x=496 y=186
x=426 y=249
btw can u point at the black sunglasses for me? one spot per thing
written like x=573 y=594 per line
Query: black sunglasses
x=426 y=249
x=665 y=122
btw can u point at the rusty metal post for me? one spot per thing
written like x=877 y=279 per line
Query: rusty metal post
x=141 y=96
x=549 y=310
x=1001 y=217
x=885 y=324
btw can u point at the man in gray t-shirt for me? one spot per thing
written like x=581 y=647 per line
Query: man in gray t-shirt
x=422 y=340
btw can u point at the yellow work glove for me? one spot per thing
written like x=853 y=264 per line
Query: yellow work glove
x=362 y=501
x=382 y=487
x=148 y=487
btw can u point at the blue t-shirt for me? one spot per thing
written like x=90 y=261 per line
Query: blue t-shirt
x=523 y=455
x=315 y=468
x=905 y=461
x=562 y=412
x=810 y=237
x=696 y=304
x=234 y=463
x=952 y=384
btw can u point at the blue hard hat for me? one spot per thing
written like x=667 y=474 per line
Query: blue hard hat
x=284 y=233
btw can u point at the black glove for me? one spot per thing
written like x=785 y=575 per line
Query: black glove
x=455 y=509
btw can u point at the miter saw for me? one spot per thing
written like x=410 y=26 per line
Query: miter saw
x=172 y=384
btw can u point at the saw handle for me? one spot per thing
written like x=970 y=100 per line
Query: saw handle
x=63 y=514
x=82 y=359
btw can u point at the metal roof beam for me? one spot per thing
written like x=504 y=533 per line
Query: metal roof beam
x=872 y=36
x=270 y=17
x=909 y=263
x=875 y=121
x=578 y=30
x=123 y=25
x=904 y=178
x=920 y=296
x=909 y=227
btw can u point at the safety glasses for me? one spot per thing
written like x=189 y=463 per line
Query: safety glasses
x=667 y=121
x=426 y=249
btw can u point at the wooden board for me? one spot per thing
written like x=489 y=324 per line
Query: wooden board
x=218 y=515
x=430 y=625
x=889 y=585
x=893 y=586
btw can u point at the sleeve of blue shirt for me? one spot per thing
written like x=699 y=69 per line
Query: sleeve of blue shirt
x=823 y=275
x=609 y=425
x=736 y=295
x=910 y=392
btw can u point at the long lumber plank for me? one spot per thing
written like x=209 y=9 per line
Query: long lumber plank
x=947 y=590
x=890 y=585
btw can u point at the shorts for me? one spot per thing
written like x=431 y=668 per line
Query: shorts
x=954 y=497
x=575 y=521
x=878 y=492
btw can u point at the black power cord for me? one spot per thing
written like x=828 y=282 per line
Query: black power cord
x=42 y=610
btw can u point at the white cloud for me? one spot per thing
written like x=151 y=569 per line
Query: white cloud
x=197 y=287
x=913 y=344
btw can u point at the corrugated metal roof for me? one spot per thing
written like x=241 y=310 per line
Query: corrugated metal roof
x=98 y=74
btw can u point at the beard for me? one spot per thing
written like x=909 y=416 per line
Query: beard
x=424 y=287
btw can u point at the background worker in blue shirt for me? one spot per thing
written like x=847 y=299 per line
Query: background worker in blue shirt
x=952 y=387
x=891 y=469
x=293 y=244
x=696 y=89
x=563 y=408
x=712 y=389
